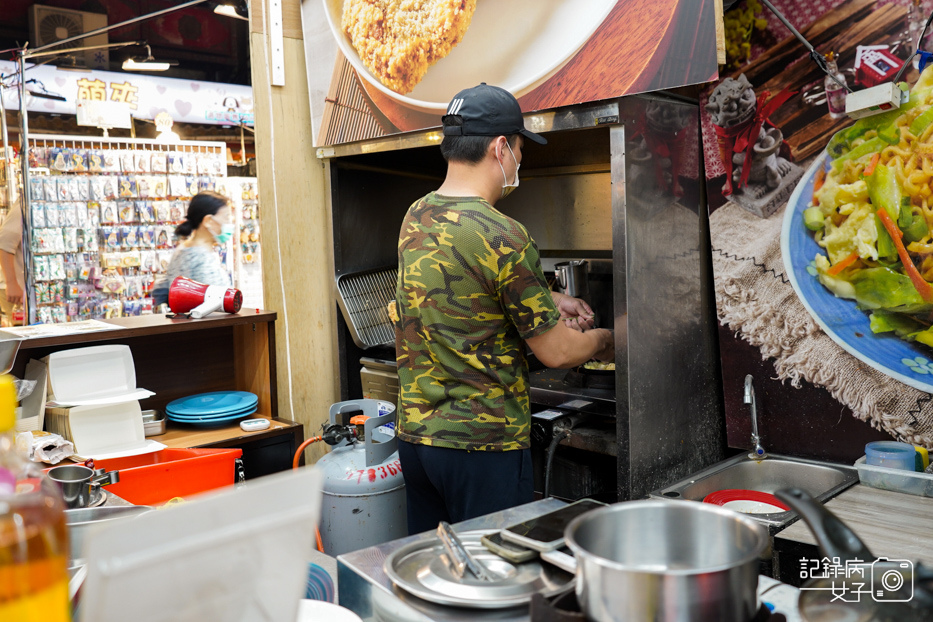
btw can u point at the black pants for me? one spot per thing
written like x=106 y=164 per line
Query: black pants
x=453 y=485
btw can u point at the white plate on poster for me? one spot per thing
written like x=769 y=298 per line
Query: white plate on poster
x=516 y=45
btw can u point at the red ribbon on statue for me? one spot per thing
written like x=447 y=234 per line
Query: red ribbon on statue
x=663 y=144
x=743 y=137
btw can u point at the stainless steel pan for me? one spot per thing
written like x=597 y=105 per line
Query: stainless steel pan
x=667 y=561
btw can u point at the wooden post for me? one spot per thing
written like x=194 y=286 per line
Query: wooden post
x=297 y=251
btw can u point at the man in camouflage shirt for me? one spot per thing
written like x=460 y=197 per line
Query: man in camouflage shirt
x=470 y=295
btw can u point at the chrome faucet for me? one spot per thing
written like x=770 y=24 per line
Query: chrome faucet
x=758 y=453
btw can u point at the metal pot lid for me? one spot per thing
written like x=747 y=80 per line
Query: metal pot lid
x=421 y=569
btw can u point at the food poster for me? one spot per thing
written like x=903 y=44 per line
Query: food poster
x=819 y=306
x=379 y=68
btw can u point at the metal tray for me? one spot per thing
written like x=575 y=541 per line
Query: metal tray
x=363 y=299
x=421 y=569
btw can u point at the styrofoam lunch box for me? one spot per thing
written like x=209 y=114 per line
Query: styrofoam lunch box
x=96 y=387
x=94 y=375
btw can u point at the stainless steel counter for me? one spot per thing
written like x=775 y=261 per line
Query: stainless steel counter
x=365 y=589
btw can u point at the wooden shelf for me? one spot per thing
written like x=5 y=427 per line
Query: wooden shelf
x=179 y=436
x=177 y=358
x=147 y=325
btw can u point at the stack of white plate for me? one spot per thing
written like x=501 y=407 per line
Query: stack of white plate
x=212 y=408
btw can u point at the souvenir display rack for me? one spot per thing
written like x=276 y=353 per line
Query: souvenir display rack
x=247 y=272
x=102 y=217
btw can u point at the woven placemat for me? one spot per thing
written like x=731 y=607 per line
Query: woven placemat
x=755 y=299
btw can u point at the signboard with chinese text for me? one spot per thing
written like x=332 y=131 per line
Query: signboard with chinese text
x=187 y=101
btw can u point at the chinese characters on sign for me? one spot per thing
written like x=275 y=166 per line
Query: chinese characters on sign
x=884 y=580
x=96 y=90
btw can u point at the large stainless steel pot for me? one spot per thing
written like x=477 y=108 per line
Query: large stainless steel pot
x=667 y=561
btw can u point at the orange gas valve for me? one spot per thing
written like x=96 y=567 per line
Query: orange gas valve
x=358 y=419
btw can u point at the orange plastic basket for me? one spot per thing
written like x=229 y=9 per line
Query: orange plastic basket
x=154 y=478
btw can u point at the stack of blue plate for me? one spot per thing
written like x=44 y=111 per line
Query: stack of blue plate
x=212 y=408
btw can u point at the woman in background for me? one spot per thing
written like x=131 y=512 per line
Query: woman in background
x=208 y=223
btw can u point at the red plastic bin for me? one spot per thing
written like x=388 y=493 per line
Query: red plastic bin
x=154 y=478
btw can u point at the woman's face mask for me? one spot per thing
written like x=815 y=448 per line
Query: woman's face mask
x=507 y=187
x=227 y=230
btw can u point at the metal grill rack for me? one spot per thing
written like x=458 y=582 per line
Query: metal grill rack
x=363 y=300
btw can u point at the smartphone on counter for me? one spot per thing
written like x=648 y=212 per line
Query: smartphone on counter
x=546 y=532
x=508 y=551
x=562 y=558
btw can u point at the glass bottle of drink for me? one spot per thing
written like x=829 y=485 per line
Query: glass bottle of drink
x=835 y=92
x=915 y=21
x=33 y=535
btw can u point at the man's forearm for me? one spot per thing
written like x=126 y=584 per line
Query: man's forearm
x=8 y=266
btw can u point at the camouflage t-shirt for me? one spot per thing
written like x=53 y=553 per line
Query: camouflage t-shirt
x=470 y=290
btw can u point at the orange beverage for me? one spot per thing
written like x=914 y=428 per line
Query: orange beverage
x=33 y=534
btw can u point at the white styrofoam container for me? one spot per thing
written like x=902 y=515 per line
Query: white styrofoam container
x=94 y=375
x=109 y=430
x=896 y=480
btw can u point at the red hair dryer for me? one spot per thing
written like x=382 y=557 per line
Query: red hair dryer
x=185 y=295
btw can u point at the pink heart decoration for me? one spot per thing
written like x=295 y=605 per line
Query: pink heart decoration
x=161 y=89
x=60 y=81
x=49 y=104
x=195 y=86
x=183 y=108
x=153 y=112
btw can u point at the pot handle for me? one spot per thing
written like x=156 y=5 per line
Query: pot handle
x=835 y=539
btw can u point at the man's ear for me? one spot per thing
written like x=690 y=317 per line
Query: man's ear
x=499 y=143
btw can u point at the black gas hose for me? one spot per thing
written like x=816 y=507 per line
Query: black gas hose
x=551 y=450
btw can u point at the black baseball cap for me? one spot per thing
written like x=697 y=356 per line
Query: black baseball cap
x=487 y=111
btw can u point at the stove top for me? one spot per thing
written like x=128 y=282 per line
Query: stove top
x=561 y=388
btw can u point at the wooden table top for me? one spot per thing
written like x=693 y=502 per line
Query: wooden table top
x=807 y=128
x=891 y=524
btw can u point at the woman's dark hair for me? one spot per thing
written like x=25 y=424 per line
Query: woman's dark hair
x=202 y=204
x=469 y=149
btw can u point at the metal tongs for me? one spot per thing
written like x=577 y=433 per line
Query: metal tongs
x=460 y=558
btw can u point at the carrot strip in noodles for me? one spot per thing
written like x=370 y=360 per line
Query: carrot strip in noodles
x=842 y=265
x=923 y=288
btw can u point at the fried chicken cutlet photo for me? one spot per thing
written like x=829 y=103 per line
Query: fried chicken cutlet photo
x=398 y=40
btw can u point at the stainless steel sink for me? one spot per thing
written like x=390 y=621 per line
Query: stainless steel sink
x=821 y=479
x=80 y=520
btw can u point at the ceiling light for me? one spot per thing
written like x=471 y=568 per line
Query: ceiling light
x=234 y=8
x=147 y=63
x=131 y=65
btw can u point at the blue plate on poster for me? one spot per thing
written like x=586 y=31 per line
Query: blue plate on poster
x=211 y=420
x=910 y=363
x=218 y=402
x=176 y=417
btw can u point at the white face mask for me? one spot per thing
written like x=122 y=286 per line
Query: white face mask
x=507 y=187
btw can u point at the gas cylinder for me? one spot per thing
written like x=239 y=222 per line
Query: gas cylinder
x=364 y=492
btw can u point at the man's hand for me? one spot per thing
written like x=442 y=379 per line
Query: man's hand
x=14 y=293
x=607 y=351
x=575 y=313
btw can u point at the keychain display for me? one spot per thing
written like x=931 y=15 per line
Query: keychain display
x=103 y=223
